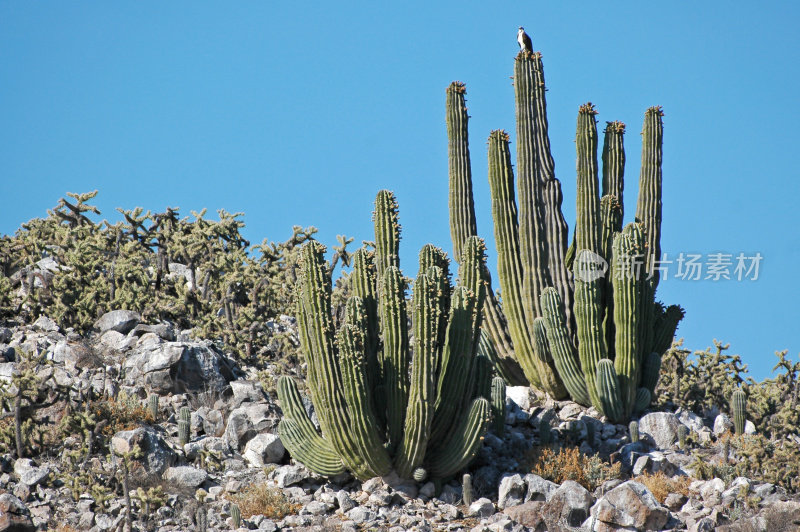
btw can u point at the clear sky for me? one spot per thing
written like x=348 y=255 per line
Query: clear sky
x=298 y=114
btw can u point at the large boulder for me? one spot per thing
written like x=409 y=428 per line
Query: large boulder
x=567 y=508
x=178 y=367
x=629 y=506
x=528 y=514
x=122 y=321
x=156 y=457
x=264 y=449
x=511 y=492
x=661 y=427
x=14 y=515
x=245 y=422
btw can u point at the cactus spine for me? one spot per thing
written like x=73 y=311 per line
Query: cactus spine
x=378 y=415
x=591 y=317
x=739 y=409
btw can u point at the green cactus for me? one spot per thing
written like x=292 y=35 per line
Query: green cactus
x=739 y=409
x=683 y=432
x=607 y=390
x=633 y=431
x=642 y=401
x=152 y=405
x=423 y=415
x=597 y=314
x=236 y=516
x=466 y=489
x=184 y=425
x=498 y=406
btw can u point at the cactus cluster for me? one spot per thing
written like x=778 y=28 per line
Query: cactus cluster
x=379 y=407
x=582 y=319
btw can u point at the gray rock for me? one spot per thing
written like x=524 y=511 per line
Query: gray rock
x=662 y=427
x=317 y=508
x=345 y=502
x=675 y=501
x=244 y=391
x=245 y=422
x=711 y=492
x=722 y=424
x=521 y=395
x=690 y=419
x=14 y=515
x=122 y=321
x=186 y=476
x=511 y=492
x=483 y=508
x=528 y=514
x=568 y=507
x=264 y=449
x=157 y=456
x=177 y=367
x=630 y=505
x=45 y=324
x=290 y=474
x=359 y=514
x=749 y=427
x=428 y=490
x=539 y=489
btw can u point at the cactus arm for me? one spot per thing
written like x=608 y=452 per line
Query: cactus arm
x=665 y=325
x=395 y=352
x=627 y=281
x=498 y=406
x=608 y=390
x=363 y=426
x=541 y=348
x=460 y=447
x=387 y=232
x=462 y=207
x=643 y=398
x=422 y=394
x=363 y=284
x=614 y=165
x=562 y=348
x=648 y=205
x=505 y=366
x=589 y=312
x=650 y=372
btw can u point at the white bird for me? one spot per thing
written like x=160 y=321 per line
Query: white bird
x=524 y=40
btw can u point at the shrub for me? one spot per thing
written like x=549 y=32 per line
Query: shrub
x=571 y=464
x=660 y=485
x=260 y=499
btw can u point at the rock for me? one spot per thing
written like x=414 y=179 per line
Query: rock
x=317 y=508
x=177 y=367
x=749 y=427
x=290 y=474
x=157 y=456
x=690 y=419
x=642 y=465
x=631 y=505
x=711 y=491
x=568 y=507
x=539 y=489
x=345 y=502
x=483 y=508
x=521 y=395
x=528 y=514
x=122 y=321
x=359 y=514
x=739 y=485
x=14 y=515
x=428 y=490
x=245 y=422
x=116 y=341
x=186 y=476
x=511 y=492
x=244 y=391
x=722 y=424
x=45 y=324
x=675 y=501
x=662 y=427
x=570 y=410
x=706 y=524
x=264 y=449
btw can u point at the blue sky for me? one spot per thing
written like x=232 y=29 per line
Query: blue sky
x=298 y=114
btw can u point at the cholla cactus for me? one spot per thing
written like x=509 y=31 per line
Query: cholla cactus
x=589 y=315
x=375 y=414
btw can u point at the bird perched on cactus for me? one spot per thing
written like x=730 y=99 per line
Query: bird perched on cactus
x=524 y=40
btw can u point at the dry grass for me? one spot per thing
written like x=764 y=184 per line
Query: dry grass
x=660 y=485
x=260 y=499
x=571 y=464
x=122 y=414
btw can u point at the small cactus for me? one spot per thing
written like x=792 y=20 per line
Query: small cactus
x=152 y=406
x=633 y=429
x=739 y=409
x=236 y=516
x=498 y=406
x=420 y=474
x=683 y=432
x=466 y=489
x=184 y=425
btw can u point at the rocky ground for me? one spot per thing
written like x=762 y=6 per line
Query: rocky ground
x=235 y=455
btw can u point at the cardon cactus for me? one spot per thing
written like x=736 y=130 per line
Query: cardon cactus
x=466 y=489
x=152 y=406
x=498 y=405
x=596 y=298
x=184 y=425
x=379 y=407
x=633 y=431
x=739 y=409
x=683 y=432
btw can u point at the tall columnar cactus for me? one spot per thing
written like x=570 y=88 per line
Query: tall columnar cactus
x=379 y=408
x=739 y=409
x=596 y=299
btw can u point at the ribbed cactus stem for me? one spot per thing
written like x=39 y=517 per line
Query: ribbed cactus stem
x=739 y=409
x=498 y=406
x=185 y=414
x=395 y=352
x=462 y=207
x=683 y=432
x=643 y=398
x=387 y=232
x=651 y=370
x=561 y=347
x=633 y=431
x=236 y=516
x=462 y=444
x=466 y=489
x=421 y=401
x=481 y=378
x=614 y=164
x=363 y=284
x=608 y=390
x=509 y=263
x=589 y=310
x=183 y=432
x=648 y=205
x=665 y=325
x=152 y=406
